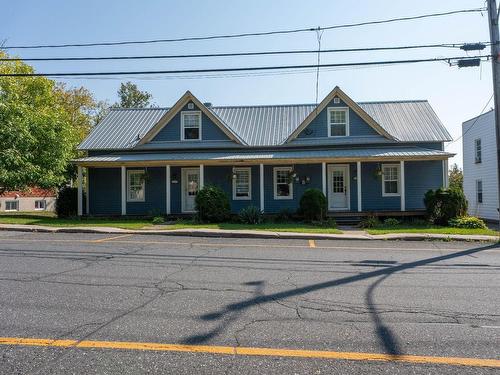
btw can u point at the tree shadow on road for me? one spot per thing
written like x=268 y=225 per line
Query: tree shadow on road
x=385 y=336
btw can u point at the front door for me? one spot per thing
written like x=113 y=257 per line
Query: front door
x=190 y=184
x=338 y=187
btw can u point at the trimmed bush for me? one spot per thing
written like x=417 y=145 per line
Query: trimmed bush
x=158 y=220
x=313 y=205
x=250 y=215
x=67 y=202
x=445 y=204
x=391 y=222
x=467 y=222
x=212 y=204
x=369 y=222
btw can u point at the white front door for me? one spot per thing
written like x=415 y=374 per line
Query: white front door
x=338 y=187
x=190 y=184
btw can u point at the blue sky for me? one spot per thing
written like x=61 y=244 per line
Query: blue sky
x=456 y=94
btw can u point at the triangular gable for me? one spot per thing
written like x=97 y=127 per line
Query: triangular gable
x=337 y=92
x=177 y=107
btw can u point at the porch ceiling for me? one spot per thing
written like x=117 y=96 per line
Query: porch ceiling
x=268 y=157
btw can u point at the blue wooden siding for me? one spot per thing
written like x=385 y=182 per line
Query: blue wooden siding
x=318 y=128
x=105 y=188
x=155 y=194
x=371 y=189
x=420 y=176
x=171 y=132
x=271 y=205
x=105 y=191
x=222 y=177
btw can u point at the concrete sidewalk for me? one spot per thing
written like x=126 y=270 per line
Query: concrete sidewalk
x=346 y=235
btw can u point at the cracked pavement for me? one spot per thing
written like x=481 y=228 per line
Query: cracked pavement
x=422 y=298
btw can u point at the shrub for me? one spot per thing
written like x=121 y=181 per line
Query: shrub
x=391 y=222
x=369 y=222
x=445 y=204
x=212 y=204
x=250 y=215
x=328 y=223
x=313 y=205
x=284 y=215
x=67 y=202
x=467 y=222
x=158 y=220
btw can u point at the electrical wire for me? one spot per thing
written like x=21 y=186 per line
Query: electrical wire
x=253 y=34
x=474 y=123
x=234 y=54
x=239 y=69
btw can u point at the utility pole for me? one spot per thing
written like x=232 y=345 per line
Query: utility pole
x=495 y=61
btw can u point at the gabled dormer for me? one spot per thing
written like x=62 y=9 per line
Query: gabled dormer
x=189 y=121
x=338 y=117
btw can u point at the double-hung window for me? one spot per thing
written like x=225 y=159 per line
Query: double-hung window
x=135 y=186
x=12 y=206
x=479 y=191
x=338 y=122
x=283 y=186
x=191 y=125
x=390 y=180
x=477 y=151
x=40 y=204
x=242 y=183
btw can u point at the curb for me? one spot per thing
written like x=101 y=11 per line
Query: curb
x=254 y=234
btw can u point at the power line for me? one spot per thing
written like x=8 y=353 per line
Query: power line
x=253 y=34
x=474 y=123
x=239 y=69
x=234 y=54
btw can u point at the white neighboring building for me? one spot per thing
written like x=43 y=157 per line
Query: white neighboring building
x=480 y=166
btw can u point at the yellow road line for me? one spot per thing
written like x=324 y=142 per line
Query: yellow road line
x=249 y=351
x=312 y=243
x=111 y=238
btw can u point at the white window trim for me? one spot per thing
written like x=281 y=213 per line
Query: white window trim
x=480 y=149
x=329 y=112
x=275 y=186
x=398 y=194
x=44 y=205
x=184 y=113
x=11 y=210
x=477 y=191
x=249 y=197
x=129 y=173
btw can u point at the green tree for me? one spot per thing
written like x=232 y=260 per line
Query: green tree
x=41 y=123
x=131 y=97
x=456 y=177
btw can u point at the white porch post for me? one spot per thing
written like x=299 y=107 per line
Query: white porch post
x=124 y=190
x=202 y=176
x=80 y=192
x=261 y=187
x=402 y=163
x=323 y=177
x=87 y=194
x=446 y=183
x=167 y=171
x=358 y=180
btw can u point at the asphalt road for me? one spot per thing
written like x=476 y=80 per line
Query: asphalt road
x=424 y=299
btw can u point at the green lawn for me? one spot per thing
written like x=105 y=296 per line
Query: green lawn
x=409 y=228
x=49 y=219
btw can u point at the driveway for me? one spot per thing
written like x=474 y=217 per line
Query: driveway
x=128 y=304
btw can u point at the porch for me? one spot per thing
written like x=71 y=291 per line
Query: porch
x=353 y=188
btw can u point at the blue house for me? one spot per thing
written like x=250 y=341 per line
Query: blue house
x=365 y=157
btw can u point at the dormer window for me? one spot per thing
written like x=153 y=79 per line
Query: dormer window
x=338 y=122
x=191 y=125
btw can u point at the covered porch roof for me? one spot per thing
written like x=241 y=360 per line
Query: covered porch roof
x=266 y=157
